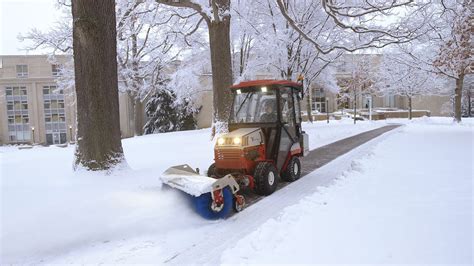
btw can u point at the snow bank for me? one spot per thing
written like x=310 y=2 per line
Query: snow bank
x=47 y=209
x=408 y=201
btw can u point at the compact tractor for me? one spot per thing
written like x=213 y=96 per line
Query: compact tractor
x=265 y=142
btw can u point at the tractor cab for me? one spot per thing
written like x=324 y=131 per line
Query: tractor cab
x=265 y=138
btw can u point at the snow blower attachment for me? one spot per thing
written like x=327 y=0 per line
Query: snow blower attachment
x=264 y=143
x=212 y=198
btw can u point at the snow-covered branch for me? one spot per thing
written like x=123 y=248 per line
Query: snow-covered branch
x=362 y=26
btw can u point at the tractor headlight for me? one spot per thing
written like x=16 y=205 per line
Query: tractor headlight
x=220 y=141
x=237 y=141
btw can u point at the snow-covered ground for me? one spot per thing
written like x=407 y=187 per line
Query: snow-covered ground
x=409 y=200
x=405 y=197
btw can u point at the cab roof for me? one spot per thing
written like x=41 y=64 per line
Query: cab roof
x=266 y=82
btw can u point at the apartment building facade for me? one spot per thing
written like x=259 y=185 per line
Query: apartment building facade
x=34 y=110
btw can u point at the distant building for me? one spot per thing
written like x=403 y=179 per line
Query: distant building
x=33 y=109
x=322 y=99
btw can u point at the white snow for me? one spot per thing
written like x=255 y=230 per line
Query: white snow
x=408 y=201
x=189 y=182
x=392 y=203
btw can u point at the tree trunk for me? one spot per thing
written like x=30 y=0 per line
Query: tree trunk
x=99 y=145
x=136 y=87
x=469 y=113
x=308 y=105
x=355 y=106
x=221 y=61
x=138 y=117
x=458 y=98
x=409 y=108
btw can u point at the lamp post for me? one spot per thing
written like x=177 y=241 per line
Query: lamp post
x=70 y=134
x=33 y=134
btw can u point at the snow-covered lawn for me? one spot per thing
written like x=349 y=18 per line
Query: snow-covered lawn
x=404 y=197
x=409 y=200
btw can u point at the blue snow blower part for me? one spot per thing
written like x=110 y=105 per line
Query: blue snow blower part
x=199 y=188
x=202 y=204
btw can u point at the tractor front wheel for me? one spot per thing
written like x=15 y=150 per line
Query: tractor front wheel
x=211 y=171
x=293 y=170
x=266 y=178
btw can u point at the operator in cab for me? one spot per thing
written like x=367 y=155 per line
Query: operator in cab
x=269 y=114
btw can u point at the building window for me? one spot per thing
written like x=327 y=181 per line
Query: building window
x=17 y=113
x=22 y=71
x=54 y=115
x=390 y=101
x=16 y=91
x=52 y=90
x=319 y=100
x=56 y=70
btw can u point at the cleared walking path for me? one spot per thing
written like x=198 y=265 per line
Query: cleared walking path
x=323 y=155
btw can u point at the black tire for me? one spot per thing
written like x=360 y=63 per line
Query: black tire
x=266 y=178
x=293 y=170
x=211 y=171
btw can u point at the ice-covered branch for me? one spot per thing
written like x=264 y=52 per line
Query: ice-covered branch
x=366 y=32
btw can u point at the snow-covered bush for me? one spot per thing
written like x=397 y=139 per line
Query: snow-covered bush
x=165 y=113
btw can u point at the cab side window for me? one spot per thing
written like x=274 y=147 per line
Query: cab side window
x=297 y=106
x=286 y=105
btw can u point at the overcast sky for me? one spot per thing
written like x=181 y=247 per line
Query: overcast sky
x=18 y=16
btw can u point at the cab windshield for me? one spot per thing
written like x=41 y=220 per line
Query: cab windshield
x=254 y=106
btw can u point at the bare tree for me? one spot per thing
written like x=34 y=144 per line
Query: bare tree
x=216 y=14
x=147 y=43
x=446 y=24
x=397 y=78
x=362 y=78
x=358 y=23
x=468 y=99
x=144 y=50
x=454 y=59
x=279 y=50
x=99 y=144
x=447 y=50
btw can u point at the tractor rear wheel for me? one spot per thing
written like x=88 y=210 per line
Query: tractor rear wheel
x=293 y=170
x=266 y=178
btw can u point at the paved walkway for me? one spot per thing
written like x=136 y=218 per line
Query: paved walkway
x=323 y=155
